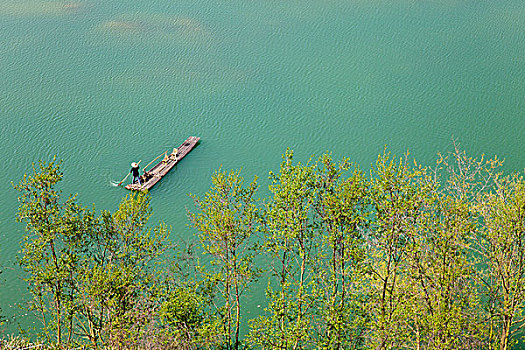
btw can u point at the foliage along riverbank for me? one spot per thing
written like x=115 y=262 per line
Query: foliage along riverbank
x=402 y=257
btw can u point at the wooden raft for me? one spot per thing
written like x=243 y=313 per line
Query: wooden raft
x=159 y=170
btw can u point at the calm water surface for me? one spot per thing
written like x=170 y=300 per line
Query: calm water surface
x=104 y=83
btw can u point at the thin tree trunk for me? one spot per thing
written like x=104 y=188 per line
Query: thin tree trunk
x=237 y=302
x=281 y=320
x=504 y=341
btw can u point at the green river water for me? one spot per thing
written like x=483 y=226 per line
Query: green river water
x=104 y=83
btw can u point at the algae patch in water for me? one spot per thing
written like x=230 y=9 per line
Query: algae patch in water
x=158 y=27
x=39 y=8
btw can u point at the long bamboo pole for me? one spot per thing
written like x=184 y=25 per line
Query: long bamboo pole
x=154 y=160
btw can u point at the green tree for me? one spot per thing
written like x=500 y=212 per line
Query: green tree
x=188 y=321
x=57 y=235
x=89 y=277
x=2 y=317
x=500 y=246
x=423 y=292
x=289 y=241
x=342 y=211
x=407 y=258
x=398 y=200
x=445 y=309
x=119 y=281
x=467 y=185
x=226 y=220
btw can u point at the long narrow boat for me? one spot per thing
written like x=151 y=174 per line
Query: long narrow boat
x=159 y=170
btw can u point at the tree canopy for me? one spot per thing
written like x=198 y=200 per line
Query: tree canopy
x=400 y=257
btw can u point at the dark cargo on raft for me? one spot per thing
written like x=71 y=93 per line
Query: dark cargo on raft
x=159 y=170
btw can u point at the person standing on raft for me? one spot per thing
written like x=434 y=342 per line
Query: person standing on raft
x=135 y=171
